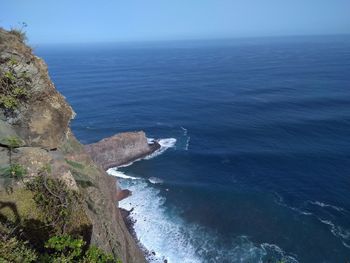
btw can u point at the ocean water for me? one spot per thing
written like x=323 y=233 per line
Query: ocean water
x=255 y=163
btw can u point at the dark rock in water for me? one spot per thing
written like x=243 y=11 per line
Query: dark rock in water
x=121 y=149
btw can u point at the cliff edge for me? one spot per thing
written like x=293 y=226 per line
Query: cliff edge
x=35 y=139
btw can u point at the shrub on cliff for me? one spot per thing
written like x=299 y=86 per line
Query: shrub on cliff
x=19 y=32
x=14 y=250
x=54 y=198
x=14 y=85
x=58 y=249
x=67 y=249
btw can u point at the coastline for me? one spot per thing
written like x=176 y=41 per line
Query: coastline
x=110 y=153
x=129 y=223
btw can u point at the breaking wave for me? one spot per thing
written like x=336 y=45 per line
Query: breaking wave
x=168 y=237
x=165 y=144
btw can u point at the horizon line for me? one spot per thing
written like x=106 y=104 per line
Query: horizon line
x=135 y=41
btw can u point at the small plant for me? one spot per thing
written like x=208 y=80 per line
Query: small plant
x=94 y=254
x=65 y=247
x=58 y=249
x=12 y=174
x=17 y=171
x=68 y=249
x=13 y=142
x=8 y=102
x=14 y=85
x=20 y=32
x=14 y=171
x=16 y=251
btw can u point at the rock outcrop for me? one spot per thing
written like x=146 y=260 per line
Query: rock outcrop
x=42 y=115
x=121 y=149
x=35 y=133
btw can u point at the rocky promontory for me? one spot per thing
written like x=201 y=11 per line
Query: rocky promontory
x=121 y=148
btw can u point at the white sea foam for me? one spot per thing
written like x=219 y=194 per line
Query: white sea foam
x=150 y=140
x=337 y=230
x=170 y=237
x=187 y=143
x=162 y=234
x=115 y=172
x=278 y=253
x=321 y=204
x=279 y=200
x=185 y=134
x=165 y=144
x=185 y=131
x=155 y=180
x=128 y=164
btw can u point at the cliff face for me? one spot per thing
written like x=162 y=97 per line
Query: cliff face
x=43 y=120
x=34 y=133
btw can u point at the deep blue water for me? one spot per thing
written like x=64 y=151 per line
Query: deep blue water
x=261 y=168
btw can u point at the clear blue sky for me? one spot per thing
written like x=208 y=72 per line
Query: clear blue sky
x=58 y=21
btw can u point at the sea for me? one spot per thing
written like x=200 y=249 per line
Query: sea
x=255 y=135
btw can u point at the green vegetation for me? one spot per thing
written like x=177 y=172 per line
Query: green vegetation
x=55 y=200
x=14 y=171
x=78 y=171
x=75 y=165
x=45 y=225
x=20 y=32
x=13 y=142
x=12 y=174
x=58 y=249
x=14 y=250
x=67 y=249
x=14 y=85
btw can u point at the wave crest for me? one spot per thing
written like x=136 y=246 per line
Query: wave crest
x=165 y=144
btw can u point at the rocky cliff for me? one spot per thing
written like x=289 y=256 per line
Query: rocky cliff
x=34 y=134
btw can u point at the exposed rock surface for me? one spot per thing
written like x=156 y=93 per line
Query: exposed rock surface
x=120 y=149
x=44 y=118
x=40 y=125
